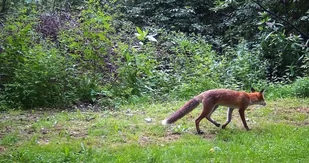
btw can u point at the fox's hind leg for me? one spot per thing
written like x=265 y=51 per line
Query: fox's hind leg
x=211 y=120
x=207 y=109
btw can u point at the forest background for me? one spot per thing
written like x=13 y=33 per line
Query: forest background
x=60 y=53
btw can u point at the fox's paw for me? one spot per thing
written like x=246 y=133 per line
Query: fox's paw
x=218 y=124
x=223 y=126
x=200 y=132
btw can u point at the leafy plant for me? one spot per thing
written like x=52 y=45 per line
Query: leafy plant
x=285 y=54
x=43 y=81
x=143 y=35
x=301 y=87
x=241 y=68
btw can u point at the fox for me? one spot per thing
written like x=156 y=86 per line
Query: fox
x=214 y=98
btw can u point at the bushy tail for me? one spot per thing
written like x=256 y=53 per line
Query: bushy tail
x=188 y=107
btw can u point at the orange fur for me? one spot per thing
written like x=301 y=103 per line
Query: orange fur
x=211 y=99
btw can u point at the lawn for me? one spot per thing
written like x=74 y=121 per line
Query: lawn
x=279 y=133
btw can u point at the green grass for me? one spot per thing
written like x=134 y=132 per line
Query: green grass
x=279 y=133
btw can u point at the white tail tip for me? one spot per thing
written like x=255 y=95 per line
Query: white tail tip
x=164 y=122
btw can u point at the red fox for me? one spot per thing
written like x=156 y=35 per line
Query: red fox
x=211 y=99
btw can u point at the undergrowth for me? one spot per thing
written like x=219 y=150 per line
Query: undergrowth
x=65 y=59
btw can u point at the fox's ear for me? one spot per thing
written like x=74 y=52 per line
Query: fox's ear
x=262 y=91
x=252 y=89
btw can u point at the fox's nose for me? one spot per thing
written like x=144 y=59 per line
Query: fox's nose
x=263 y=103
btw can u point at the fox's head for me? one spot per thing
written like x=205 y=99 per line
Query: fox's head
x=257 y=97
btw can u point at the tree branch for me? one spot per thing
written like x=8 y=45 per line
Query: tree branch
x=272 y=13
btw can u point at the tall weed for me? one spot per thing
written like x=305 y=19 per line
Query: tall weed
x=241 y=67
x=44 y=80
x=301 y=87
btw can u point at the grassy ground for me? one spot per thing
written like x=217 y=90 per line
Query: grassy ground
x=135 y=134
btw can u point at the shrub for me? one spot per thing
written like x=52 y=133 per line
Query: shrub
x=191 y=59
x=17 y=37
x=44 y=80
x=286 y=55
x=240 y=67
x=36 y=72
x=279 y=90
x=301 y=87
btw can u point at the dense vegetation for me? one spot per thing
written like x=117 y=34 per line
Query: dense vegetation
x=61 y=53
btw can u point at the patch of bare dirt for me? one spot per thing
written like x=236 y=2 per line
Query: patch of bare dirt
x=78 y=134
x=143 y=140
x=43 y=141
x=294 y=110
x=209 y=136
x=5 y=130
x=302 y=110
x=294 y=115
x=171 y=137
x=305 y=123
x=2 y=149
x=73 y=132
x=29 y=129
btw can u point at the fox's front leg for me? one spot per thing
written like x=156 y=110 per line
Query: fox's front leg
x=229 y=117
x=242 y=116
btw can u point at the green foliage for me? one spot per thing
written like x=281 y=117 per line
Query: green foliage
x=241 y=68
x=39 y=73
x=175 y=63
x=17 y=38
x=279 y=34
x=279 y=90
x=44 y=80
x=171 y=14
x=46 y=5
x=285 y=54
x=301 y=87
x=89 y=52
x=9 y=140
x=190 y=61
x=141 y=35
x=89 y=45
x=136 y=71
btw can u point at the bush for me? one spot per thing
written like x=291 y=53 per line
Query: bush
x=279 y=90
x=44 y=80
x=190 y=59
x=286 y=55
x=17 y=37
x=36 y=72
x=241 y=67
x=301 y=87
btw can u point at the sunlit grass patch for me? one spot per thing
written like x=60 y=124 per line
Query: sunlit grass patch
x=135 y=134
